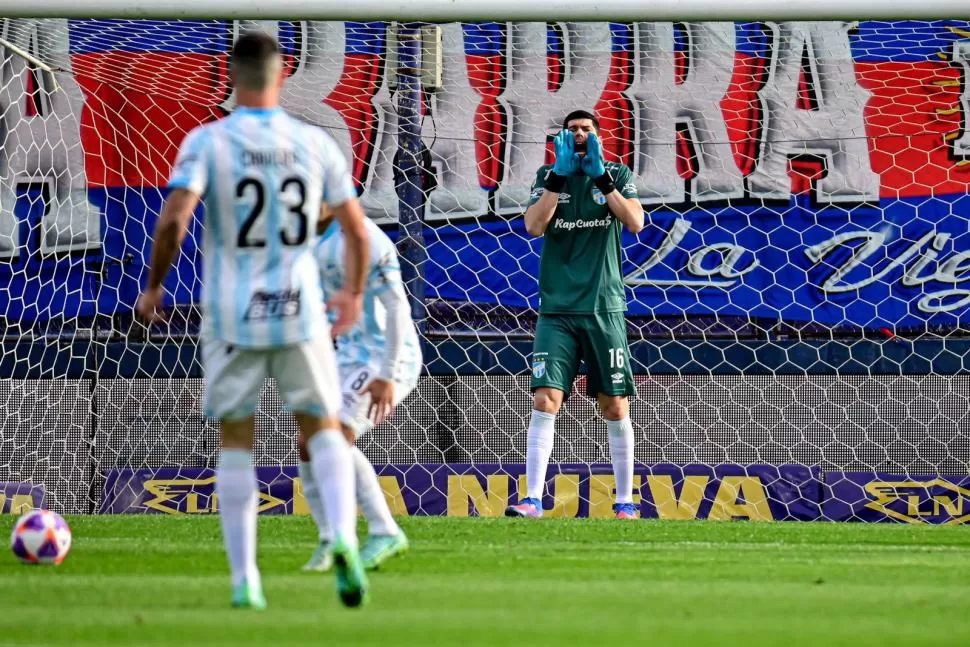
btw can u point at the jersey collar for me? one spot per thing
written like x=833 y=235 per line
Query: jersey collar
x=259 y=112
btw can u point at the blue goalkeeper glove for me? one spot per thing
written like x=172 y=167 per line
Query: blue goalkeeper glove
x=567 y=161
x=593 y=164
x=595 y=167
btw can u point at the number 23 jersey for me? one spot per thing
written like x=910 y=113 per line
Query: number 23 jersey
x=263 y=175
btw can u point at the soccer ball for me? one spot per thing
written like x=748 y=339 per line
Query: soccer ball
x=41 y=537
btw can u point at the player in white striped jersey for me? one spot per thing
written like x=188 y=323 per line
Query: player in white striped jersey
x=379 y=361
x=264 y=177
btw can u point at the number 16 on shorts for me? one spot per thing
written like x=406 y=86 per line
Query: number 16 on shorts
x=617 y=358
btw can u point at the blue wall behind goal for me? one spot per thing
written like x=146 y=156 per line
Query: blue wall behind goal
x=54 y=358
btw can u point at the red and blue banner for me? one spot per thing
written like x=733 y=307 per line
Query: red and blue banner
x=794 y=172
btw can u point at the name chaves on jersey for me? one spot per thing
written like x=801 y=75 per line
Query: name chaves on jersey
x=366 y=343
x=263 y=175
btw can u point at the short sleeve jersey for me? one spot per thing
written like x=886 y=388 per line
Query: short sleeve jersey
x=579 y=270
x=263 y=175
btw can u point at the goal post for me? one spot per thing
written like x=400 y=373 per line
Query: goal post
x=797 y=303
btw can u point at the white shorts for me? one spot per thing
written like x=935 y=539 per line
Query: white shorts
x=353 y=413
x=305 y=374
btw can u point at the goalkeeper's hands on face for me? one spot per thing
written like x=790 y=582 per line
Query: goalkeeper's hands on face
x=567 y=160
x=593 y=163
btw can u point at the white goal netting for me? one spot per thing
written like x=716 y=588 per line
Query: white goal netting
x=797 y=303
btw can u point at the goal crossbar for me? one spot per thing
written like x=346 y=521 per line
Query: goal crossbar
x=504 y=10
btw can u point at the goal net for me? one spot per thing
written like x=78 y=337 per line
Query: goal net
x=797 y=302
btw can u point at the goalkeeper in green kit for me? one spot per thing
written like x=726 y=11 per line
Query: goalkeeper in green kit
x=580 y=205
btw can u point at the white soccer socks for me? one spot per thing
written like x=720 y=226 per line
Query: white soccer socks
x=333 y=473
x=541 y=436
x=371 y=497
x=315 y=502
x=236 y=489
x=621 y=454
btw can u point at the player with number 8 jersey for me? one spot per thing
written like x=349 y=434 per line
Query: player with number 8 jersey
x=378 y=361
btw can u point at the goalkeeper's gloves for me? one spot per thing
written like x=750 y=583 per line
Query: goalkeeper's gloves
x=567 y=161
x=594 y=165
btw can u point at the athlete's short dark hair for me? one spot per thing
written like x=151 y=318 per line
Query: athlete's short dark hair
x=254 y=60
x=581 y=114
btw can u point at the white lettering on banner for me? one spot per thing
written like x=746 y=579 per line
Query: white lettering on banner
x=733 y=261
x=528 y=112
x=834 y=130
x=41 y=137
x=453 y=139
x=316 y=78
x=923 y=252
x=729 y=266
x=918 y=265
x=662 y=104
x=535 y=112
x=961 y=56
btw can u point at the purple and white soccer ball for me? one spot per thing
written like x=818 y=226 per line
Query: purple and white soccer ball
x=41 y=537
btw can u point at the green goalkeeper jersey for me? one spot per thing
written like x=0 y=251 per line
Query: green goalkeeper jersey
x=579 y=270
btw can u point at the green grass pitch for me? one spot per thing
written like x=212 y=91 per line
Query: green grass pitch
x=158 y=580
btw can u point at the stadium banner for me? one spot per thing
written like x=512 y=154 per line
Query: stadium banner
x=667 y=491
x=869 y=496
x=17 y=498
x=772 y=190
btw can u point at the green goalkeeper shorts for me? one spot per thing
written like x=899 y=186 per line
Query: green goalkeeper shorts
x=598 y=339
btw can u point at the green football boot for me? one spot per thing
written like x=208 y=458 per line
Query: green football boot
x=380 y=548
x=321 y=560
x=351 y=579
x=245 y=596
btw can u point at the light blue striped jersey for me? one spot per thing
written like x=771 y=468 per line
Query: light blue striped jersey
x=263 y=175
x=366 y=343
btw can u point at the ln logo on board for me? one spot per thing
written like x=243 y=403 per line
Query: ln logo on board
x=929 y=501
x=193 y=496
